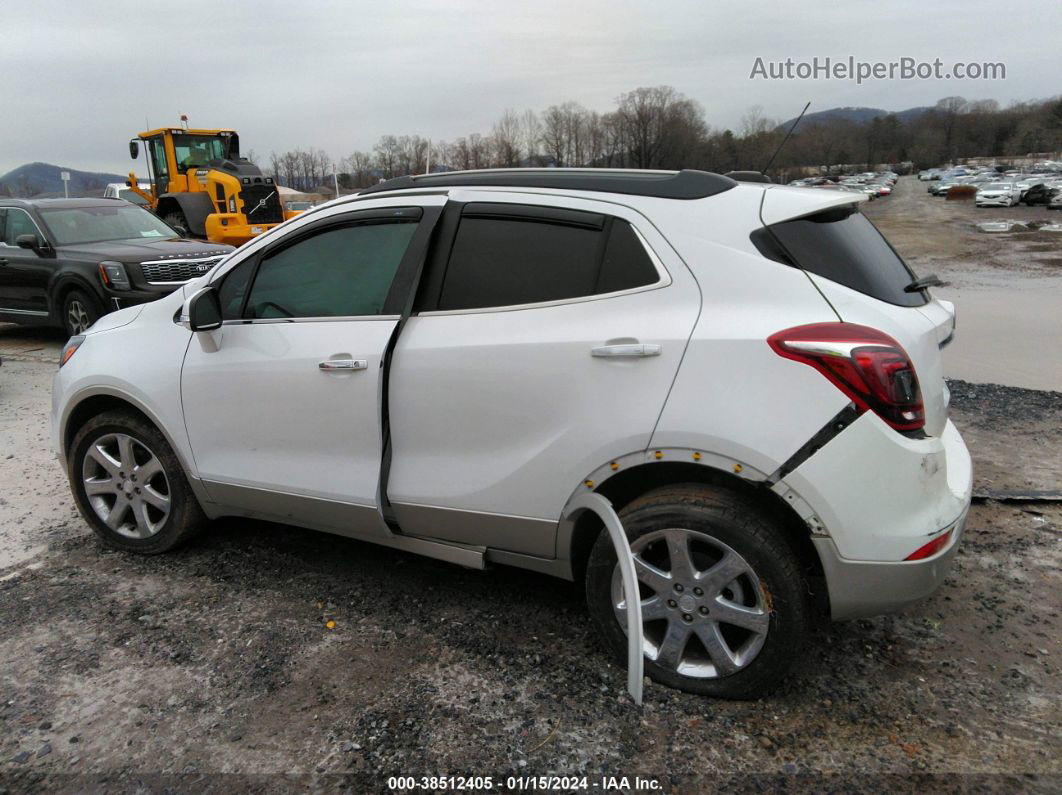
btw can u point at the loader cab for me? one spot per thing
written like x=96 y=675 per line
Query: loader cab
x=171 y=153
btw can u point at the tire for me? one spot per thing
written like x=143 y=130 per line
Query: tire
x=79 y=312
x=746 y=662
x=176 y=219
x=157 y=510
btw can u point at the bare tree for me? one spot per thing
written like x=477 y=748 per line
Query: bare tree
x=358 y=167
x=531 y=136
x=947 y=112
x=387 y=155
x=505 y=139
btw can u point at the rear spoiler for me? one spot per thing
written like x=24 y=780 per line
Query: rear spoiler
x=747 y=176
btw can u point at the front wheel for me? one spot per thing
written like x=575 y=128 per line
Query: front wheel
x=724 y=604
x=177 y=220
x=129 y=485
x=79 y=312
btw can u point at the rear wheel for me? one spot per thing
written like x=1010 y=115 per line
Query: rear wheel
x=130 y=486
x=79 y=312
x=724 y=606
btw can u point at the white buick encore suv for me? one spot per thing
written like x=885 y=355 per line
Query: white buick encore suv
x=749 y=373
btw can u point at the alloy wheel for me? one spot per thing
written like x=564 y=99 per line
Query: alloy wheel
x=705 y=613
x=126 y=485
x=77 y=317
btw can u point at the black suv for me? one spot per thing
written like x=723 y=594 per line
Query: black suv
x=66 y=262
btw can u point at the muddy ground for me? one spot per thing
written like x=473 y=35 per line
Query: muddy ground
x=213 y=668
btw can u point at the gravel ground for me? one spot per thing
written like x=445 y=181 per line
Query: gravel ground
x=213 y=668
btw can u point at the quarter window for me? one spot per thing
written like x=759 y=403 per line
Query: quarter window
x=506 y=261
x=339 y=272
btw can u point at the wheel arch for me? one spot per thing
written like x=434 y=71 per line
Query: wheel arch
x=625 y=484
x=66 y=285
x=194 y=206
x=94 y=402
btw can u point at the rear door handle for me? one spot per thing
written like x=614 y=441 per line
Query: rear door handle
x=626 y=351
x=3 y=260
x=333 y=365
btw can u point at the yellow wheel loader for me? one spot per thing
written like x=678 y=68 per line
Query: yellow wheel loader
x=200 y=183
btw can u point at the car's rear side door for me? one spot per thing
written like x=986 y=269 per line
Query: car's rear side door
x=548 y=333
x=282 y=403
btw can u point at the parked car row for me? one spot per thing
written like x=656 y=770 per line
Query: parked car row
x=997 y=187
x=871 y=184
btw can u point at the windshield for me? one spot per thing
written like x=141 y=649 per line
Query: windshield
x=198 y=150
x=995 y=186
x=73 y=225
x=130 y=196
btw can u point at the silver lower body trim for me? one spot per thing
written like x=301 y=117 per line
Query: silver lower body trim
x=361 y=522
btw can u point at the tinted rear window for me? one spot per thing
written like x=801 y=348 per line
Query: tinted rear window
x=508 y=261
x=844 y=246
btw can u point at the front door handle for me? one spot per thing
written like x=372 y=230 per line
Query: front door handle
x=341 y=365
x=3 y=260
x=627 y=351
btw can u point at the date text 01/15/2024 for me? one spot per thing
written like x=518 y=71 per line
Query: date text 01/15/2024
x=522 y=783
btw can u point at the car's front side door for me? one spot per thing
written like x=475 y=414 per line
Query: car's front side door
x=282 y=403
x=548 y=338
x=24 y=274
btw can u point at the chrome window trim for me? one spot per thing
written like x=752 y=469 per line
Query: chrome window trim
x=33 y=220
x=663 y=281
x=272 y=320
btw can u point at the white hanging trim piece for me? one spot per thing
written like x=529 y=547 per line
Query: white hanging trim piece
x=603 y=508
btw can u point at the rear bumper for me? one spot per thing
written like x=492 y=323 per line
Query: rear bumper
x=864 y=588
x=874 y=497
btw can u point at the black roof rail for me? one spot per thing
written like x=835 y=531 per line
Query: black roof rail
x=685 y=184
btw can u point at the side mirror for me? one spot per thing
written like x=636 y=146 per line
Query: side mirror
x=180 y=230
x=29 y=241
x=202 y=312
x=134 y=149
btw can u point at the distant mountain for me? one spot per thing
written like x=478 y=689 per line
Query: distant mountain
x=43 y=179
x=855 y=115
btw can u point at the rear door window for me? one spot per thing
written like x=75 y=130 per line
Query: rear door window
x=844 y=246
x=17 y=222
x=508 y=255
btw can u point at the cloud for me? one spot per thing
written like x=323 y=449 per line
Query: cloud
x=81 y=78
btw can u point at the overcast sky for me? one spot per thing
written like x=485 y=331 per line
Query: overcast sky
x=80 y=78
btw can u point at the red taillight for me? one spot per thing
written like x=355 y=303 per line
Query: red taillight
x=930 y=549
x=866 y=364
